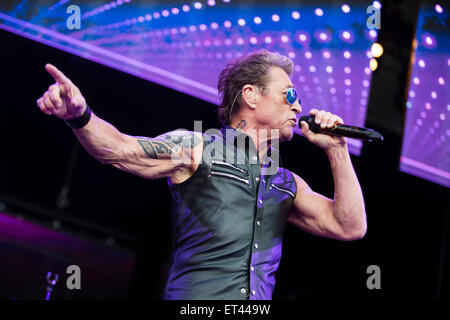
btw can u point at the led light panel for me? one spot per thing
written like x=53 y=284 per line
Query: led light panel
x=185 y=45
x=426 y=147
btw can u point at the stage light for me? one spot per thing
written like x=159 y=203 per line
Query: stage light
x=318 y=12
x=373 y=64
x=197 y=5
x=323 y=36
x=346 y=36
x=421 y=63
x=345 y=8
x=241 y=22
x=227 y=24
x=377 y=5
x=377 y=50
x=275 y=18
x=185 y=8
x=438 y=8
x=175 y=11
x=295 y=15
x=441 y=81
x=416 y=80
x=257 y=20
x=302 y=36
x=428 y=40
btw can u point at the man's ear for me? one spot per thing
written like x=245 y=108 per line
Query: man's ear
x=250 y=95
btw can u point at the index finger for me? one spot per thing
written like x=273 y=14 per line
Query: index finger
x=56 y=74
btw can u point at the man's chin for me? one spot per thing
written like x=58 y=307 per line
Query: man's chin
x=286 y=133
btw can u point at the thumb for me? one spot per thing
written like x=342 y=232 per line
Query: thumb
x=305 y=130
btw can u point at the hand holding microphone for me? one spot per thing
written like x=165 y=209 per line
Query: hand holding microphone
x=334 y=126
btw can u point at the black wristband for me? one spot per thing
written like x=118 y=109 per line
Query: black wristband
x=81 y=121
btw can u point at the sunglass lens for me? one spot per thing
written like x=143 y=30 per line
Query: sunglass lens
x=291 y=96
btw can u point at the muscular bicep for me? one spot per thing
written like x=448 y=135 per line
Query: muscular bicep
x=314 y=213
x=162 y=156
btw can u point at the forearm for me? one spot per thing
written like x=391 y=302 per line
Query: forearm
x=101 y=139
x=349 y=209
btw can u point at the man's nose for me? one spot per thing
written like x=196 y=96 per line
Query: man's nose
x=297 y=107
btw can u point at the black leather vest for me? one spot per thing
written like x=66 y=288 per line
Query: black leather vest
x=228 y=221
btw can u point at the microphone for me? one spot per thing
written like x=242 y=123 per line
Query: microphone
x=342 y=130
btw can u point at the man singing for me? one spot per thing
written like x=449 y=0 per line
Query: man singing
x=230 y=201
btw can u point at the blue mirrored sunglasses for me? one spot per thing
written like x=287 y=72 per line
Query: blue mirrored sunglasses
x=291 y=96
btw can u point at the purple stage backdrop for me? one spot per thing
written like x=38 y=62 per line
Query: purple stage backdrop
x=184 y=45
x=426 y=147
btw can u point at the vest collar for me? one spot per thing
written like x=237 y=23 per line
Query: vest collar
x=226 y=129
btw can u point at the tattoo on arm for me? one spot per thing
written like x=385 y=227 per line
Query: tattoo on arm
x=168 y=144
x=148 y=148
x=185 y=140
